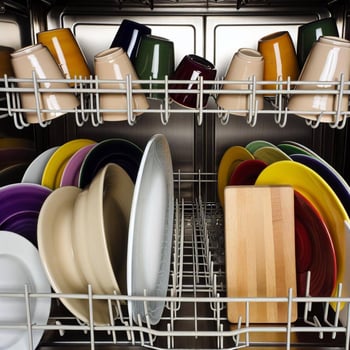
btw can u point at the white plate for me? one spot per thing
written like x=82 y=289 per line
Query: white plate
x=20 y=264
x=35 y=170
x=55 y=248
x=150 y=230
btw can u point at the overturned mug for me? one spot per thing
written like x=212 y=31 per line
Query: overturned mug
x=310 y=32
x=190 y=69
x=245 y=65
x=154 y=61
x=129 y=36
x=37 y=59
x=66 y=52
x=113 y=65
x=280 y=58
x=327 y=61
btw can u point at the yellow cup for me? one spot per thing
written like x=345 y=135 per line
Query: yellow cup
x=280 y=58
x=66 y=52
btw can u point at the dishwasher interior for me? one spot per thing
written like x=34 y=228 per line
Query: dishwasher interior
x=195 y=305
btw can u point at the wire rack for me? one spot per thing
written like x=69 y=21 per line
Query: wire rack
x=194 y=315
x=88 y=92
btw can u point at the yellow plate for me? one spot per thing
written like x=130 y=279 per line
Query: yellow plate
x=228 y=163
x=270 y=154
x=55 y=166
x=318 y=192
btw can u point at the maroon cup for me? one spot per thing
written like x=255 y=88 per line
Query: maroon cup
x=191 y=68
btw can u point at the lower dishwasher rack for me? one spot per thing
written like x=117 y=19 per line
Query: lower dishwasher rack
x=194 y=316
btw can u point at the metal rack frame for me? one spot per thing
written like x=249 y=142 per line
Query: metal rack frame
x=195 y=306
x=88 y=91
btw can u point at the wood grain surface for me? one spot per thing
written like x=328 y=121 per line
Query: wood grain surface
x=260 y=250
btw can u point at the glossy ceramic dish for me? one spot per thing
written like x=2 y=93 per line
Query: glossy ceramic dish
x=320 y=194
x=151 y=230
x=20 y=264
x=119 y=151
x=61 y=265
x=101 y=224
x=55 y=166
x=232 y=157
x=35 y=169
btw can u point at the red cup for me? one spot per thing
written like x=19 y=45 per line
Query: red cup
x=191 y=68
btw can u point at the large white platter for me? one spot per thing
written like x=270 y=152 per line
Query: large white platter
x=150 y=231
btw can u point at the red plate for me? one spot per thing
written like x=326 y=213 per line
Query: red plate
x=247 y=172
x=314 y=250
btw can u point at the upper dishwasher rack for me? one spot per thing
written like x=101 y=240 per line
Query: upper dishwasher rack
x=89 y=90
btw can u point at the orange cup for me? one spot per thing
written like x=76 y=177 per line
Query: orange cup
x=66 y=52
x=280 y=58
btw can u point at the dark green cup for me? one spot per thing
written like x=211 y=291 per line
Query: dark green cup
x=154 y=60
x=308 y=33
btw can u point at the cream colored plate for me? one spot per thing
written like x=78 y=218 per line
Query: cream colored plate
x=55 y=248
x=101 y=224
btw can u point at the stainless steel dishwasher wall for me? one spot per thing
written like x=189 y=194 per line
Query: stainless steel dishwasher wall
x=214 y=30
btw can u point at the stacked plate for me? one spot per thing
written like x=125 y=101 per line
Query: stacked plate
x=76 y=162
x=321 y=205
x=15 y=155
x=112 y=233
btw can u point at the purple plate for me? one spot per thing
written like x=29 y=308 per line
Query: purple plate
x=21 y=197
x=70 y=176
x=23 y=223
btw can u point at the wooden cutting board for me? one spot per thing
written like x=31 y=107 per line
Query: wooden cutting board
x=260 y=250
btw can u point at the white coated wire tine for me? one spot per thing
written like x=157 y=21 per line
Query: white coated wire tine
x=289 y=317
x=28 y=317
x=315 y=123
x=20 y=120
x=129 y=99
x=139 y=322
x=284 y=118
x=347 y=334
x=111 y=320
x=15 y=115
x=91 y=317
x=200 y=100
x=99 y=119
x=8 y=96
x=42 y=123
x=339 y=98
x=166 y=98
x=239 y=326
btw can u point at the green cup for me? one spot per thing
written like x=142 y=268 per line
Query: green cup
x=309 y=33
x=154 y=60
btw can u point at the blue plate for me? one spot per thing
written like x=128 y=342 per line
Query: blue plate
x=119 y=151
x=330 y=175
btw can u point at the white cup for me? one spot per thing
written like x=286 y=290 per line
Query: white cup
x=38 y=59
x=114 y=64
x=245 y=64
x=328 y=59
